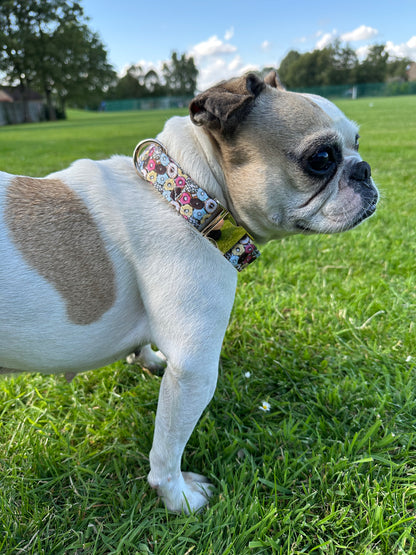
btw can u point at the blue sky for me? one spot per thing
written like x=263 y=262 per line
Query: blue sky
x=228 y=37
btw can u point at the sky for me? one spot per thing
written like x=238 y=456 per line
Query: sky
x=229 y=37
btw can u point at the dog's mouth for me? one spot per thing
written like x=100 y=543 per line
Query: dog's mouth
x=305 y=229
x=340 y=227
x=369 y=211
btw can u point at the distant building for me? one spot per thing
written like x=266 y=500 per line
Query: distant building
x=16 y=108
x=411 y=71
x=4 y=97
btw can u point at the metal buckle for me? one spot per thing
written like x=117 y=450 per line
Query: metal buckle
x=140 y=146
x=220 y=216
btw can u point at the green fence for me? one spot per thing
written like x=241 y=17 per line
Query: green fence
x=334 y=91
x=158 y=103
x=363 y=90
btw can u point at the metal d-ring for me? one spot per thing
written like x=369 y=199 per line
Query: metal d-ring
x=139 y=148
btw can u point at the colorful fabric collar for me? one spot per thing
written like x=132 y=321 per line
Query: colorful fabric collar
x=206 y=214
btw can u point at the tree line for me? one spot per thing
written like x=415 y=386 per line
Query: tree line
x=340 y=65
x=47 y=46
x=178 y=78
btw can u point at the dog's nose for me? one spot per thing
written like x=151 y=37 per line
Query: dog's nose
x=361 y=171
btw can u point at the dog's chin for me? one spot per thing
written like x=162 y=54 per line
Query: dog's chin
x=336 y=225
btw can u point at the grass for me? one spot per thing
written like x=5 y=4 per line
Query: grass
x=40 y=148
x=326 y=328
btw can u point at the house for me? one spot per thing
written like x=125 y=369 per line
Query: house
x=4 y=97
x=19 y=107
x=411 y=71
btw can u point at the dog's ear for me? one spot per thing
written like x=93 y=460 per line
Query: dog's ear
x=224 y=106
x=273 y=80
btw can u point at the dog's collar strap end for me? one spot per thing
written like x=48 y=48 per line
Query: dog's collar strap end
x=206 y=214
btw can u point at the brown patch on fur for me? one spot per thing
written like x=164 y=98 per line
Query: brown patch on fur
x=57 y=236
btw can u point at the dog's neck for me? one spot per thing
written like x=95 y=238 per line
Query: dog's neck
x=191 y=148
x=206 y=214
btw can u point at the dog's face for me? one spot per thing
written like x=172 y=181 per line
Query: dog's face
x=291 y=161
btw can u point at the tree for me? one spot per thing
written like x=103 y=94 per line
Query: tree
x=178 y=78
x=15 y=33
x=345 y=61
x=397 y=69
x=338 y=65
x=307 y=70
x=48 y=46
x=374 y=68
x=83 y=71
x=180 y=75
x=152 y=83
x=287 y=69
x=130 y=85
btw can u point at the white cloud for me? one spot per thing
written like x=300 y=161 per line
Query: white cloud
x=404 y=50
x=220 y=69
x=217 y=60
x=235 y=63
x=362 y=52
x=144 y=66
x=360 y=33
x=229 y=34
x=211 y=47
x=325 y=40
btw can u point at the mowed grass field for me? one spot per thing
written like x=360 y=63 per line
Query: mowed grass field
x=323 y=329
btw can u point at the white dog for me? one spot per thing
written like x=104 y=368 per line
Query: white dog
x=104 y=258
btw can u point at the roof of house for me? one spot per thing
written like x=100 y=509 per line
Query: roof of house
x=4 y=97
x=16 y=95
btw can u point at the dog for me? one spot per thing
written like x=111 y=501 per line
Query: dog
x=95 y=264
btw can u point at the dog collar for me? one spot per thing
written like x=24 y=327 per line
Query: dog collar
x=206 y=214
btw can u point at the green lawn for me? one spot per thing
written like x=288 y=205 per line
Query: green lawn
x=325 y=327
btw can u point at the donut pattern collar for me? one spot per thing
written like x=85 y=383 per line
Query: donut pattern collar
x=203 y=212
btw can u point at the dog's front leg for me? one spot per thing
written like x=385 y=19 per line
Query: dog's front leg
x=188 y=317
x=184 y=393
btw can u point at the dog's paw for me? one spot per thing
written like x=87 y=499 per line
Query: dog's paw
x=155 y=361
x=200 y=490
x=189 y=495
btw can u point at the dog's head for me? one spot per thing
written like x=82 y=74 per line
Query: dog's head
x=290 y=160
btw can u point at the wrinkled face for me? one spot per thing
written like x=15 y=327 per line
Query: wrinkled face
x=293 y=167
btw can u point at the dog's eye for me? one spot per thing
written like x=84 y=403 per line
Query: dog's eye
x=321 y=162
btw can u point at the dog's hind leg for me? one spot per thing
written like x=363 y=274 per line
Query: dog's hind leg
x=152 y=360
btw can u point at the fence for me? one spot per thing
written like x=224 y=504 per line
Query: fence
x=150 y=103
x=330 y=91
x=363 y=90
